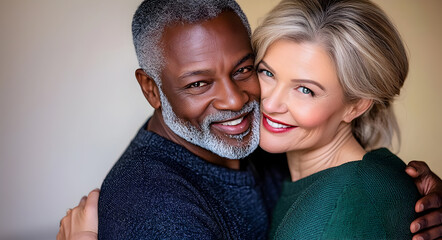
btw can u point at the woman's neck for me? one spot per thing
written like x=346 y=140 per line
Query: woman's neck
x=342 y=149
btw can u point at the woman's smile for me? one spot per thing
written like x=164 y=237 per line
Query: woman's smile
x=275 y=126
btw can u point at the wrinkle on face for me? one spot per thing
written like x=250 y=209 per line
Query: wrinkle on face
x=209 y=52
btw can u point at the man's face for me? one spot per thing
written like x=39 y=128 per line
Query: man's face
x=211 y=86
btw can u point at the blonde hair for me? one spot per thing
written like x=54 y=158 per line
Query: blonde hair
x=370 y=58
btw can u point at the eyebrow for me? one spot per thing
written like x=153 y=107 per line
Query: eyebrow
x=295 y=80
x=194 y=73
x=245 y=58
x=266 y=65
x=201 y=72
x=309 y=81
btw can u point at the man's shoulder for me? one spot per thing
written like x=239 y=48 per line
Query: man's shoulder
x=146 y=195
x=144 y=168
x=149 y=159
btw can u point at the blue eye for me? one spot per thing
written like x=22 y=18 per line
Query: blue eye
x=267 y=73
x=305 y=90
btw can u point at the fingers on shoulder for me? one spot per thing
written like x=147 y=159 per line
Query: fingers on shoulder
x=65 y=224
x=92 y=201
x=89 y=203
x=431 y=233
x=431 y=201
x=420 y=167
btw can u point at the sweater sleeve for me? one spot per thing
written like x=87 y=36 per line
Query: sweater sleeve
x=165 y=208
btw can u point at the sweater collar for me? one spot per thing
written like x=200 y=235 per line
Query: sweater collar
x=180 y=155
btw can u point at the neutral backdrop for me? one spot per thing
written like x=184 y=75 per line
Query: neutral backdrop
x=70 y=104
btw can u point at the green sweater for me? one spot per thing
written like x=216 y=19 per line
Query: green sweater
x=369 y=199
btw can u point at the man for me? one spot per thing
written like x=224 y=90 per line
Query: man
x=197 y=71
x=182 y=177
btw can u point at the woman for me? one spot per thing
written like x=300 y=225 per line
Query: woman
x=81 y=222
x=329 y=71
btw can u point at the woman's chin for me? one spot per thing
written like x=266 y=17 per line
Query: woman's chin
x=271 y=148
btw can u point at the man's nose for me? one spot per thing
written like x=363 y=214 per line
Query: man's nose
x=230 y=96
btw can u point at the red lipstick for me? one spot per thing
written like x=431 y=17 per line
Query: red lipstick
x=274 y=129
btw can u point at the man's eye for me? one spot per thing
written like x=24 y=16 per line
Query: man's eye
x=243 y=72
x=197 y=85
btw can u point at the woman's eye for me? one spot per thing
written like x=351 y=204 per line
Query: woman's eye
x=197 y=84
x=305 y=90
x=267 y=73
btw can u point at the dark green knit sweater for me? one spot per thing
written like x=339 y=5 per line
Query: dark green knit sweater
x=369 y=199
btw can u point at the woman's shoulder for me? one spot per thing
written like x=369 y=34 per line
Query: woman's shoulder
x=384 y=157
x=379 y=192
x=382 y=173
x=370 y=198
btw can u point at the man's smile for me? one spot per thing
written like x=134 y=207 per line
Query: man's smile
x=235 y=126
x=233 y=122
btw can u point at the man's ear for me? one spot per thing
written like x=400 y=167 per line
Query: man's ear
x=357 y=109
x=149 y=88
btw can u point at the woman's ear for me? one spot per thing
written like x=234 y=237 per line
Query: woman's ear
x=149 y=88
x=357 y=109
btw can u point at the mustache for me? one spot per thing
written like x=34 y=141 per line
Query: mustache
x=222 y=116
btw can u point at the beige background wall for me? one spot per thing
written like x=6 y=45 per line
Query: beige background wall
x=69 y=102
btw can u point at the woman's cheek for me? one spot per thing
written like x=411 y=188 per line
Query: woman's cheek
x=311 y=116
x=265 y=89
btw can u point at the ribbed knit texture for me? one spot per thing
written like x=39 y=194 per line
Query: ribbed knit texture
x=160 y=190
x=369 y=199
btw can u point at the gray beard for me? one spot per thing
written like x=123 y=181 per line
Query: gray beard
x=204 y=138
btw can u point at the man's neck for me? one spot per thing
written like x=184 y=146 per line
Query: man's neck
x=158 y=126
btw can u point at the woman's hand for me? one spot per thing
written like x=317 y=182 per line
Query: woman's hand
x=429 y=226
x=81 y=223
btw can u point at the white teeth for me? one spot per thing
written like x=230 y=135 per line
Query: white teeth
x=233 y=122
x=276 y=125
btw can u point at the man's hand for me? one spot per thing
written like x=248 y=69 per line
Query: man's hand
x=81 y=223
x=429 y=185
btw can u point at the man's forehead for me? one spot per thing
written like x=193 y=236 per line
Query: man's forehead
x=226 y=23
x=197 y=43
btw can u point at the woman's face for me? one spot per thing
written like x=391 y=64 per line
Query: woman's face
x=302 y=101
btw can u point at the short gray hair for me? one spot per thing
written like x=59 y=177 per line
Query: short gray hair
x=370 y=58
x=152 y=16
